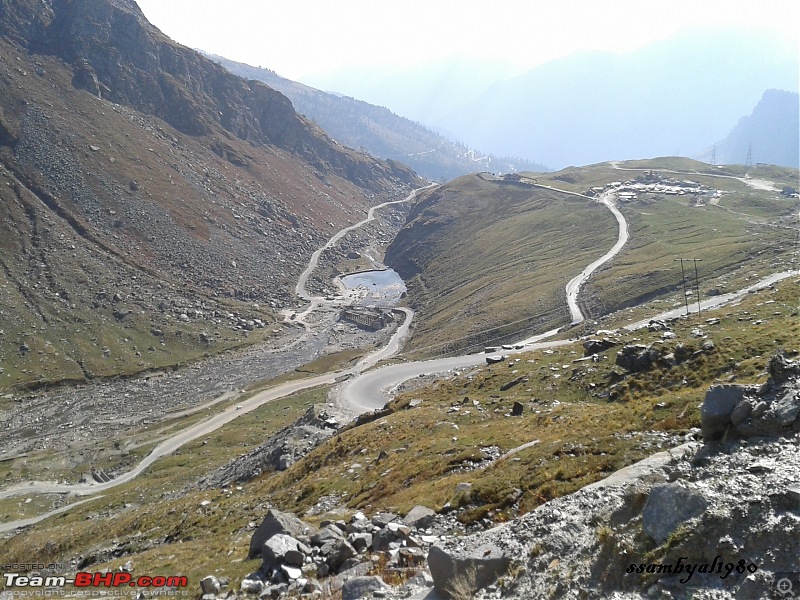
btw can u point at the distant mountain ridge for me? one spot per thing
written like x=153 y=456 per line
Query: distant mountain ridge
x=379 y=131
x=668 y=98
x=770 y=134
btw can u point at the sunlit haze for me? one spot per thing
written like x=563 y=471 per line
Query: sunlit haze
x=306 y=37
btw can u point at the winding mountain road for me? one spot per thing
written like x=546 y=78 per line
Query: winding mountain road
x=372 y=390
x=574 y=285
x=203 y=428
x=317 y=301
x=363 y=392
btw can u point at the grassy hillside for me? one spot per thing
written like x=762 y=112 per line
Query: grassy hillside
x=586 y=418
x=479 y=254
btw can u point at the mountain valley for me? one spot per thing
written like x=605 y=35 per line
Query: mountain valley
x=189 y=390
x=144 y=230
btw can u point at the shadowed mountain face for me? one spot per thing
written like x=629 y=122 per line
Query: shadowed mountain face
x=771 y=133
x=116 y=54
x=143 y=187
x=669 y=98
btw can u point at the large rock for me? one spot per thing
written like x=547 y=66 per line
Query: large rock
x=362 y=587
x=338 y=552
x=336 y=582
x=668 y=506
x=636 y=357
x=251 y=586
x=382 y=539
x=595 y=346
x=770 y=410
x=457 y=571
x=274 y=523
x=283 y=549
x=717 y=409
x=360 y=541
x=383 y=519
x=210 y=585
x=329 y=533
x=420 y=517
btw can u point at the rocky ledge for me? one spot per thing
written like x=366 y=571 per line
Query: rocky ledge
x=714 y=520
x=720 y=520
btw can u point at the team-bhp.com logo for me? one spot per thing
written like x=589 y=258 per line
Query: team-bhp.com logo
x=95 y=580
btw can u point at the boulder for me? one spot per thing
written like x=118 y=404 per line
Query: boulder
x=274 y=591
x=362 y=587
x=592 y=347
x=210 y=585
x=717 y=409
x=383 y=519
x=636 y=357
x=291 y=573
x=330 y=533
x=787 y=408
x=516 y=381
x=399 y=530
x=274 y=523
x=360 y=541
x=381 y=540
x=668 y=506
x=410 y=557
x=462 y=571
x=770 y=410
x=358 y=570
x=419 y=517
x=283 y=549
x=251 y=586
x=359 y=524
x=338 y=552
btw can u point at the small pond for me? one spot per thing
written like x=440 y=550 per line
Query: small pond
x=379 y=288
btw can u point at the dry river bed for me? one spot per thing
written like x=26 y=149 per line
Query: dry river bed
x=71 y=419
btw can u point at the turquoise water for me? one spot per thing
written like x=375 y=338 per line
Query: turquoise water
x=382 y=288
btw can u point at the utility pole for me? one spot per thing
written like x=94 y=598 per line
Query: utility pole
x=683 y=278
x=696 y=284
x=749 y=162
x=714 y=154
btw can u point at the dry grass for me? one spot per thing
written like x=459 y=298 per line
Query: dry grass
x=485 y=254
x=586 y=429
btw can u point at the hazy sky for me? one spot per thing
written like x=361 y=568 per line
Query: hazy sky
x=298 y=38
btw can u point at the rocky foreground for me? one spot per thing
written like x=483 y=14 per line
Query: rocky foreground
x=718 y=519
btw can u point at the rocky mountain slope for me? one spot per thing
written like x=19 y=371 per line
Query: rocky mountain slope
x=379 y=131
x=155 y=207
x=715 y=521
x=512 y=445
